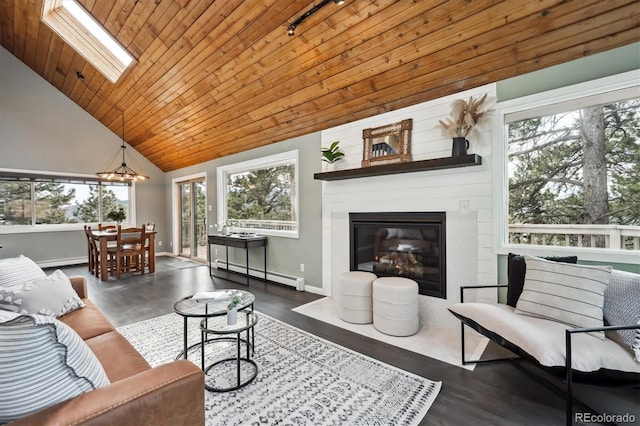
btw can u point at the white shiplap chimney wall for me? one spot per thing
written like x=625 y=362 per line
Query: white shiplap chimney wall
x=470 y=256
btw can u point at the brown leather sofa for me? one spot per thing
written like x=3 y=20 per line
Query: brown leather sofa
x=171 y=394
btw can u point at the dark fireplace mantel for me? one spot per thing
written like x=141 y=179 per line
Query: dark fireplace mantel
x=410 y=245
x=410 y=167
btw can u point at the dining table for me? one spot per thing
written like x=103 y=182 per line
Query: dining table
x=102 y=239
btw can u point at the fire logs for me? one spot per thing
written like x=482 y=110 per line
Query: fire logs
x=397 y=263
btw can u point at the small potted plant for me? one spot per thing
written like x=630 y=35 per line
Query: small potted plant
x=332 y=154
x=224 y=227
x=232 y=309
x=118 y=215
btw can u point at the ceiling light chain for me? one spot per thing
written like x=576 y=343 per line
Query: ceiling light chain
x=292 y=27
x=123 y=172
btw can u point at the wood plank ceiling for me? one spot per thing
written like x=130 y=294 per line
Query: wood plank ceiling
x=213 y=78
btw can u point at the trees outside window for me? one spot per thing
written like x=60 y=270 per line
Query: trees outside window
x=574 y=176
x=260 y=195
x=30 y=201
x=15 y=203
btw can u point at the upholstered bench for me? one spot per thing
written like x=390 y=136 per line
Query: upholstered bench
x=395 y=306
x=355 y=297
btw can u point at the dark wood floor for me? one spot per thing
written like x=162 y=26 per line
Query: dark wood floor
x=492 y=394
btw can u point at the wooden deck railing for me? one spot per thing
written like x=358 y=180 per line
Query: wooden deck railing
x=617 y=237
x=280 y=225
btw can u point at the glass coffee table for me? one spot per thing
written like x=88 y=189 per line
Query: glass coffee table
x=243 y=369
x=214 y=306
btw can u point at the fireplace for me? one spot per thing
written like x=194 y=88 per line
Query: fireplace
x=410 y=245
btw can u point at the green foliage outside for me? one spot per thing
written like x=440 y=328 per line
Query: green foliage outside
x=580 y=167
x=54 y=204
x=15 y=203
x=87 y=212
x=262 y=194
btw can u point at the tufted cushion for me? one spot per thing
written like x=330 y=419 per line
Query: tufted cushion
x=44 y=362
x=622 y=303
x=51 y=295
x=18 y=270
x=516 y=270
x=572 y=294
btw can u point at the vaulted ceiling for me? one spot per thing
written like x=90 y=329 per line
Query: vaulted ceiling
x=212 y=78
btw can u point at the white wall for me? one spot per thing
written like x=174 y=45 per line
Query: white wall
x=470 y=256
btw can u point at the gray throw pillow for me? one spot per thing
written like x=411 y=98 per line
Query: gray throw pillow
x=50 y=295
x=44 y=362
x=622 y=303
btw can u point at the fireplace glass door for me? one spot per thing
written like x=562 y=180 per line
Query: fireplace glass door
x=410 y=246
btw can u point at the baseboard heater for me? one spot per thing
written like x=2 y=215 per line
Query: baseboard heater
x=277 y=277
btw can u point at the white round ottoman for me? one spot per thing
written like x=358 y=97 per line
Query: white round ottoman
x=355 y=297
x=395 y=306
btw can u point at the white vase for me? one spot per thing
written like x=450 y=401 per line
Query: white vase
x=331 y=167
x=232 y=316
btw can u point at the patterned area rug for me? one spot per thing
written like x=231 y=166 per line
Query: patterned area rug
x=302 y=379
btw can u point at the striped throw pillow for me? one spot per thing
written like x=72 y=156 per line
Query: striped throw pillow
x=571 y=294
x=18 y=270
x=44 y=362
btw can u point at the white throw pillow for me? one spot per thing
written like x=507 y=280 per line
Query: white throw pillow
x=18 y=270
x=51 y=295
x=44 y=362
x=571 y=294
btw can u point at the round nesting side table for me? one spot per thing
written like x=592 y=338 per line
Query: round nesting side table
x=218 y=326
x=215 y=306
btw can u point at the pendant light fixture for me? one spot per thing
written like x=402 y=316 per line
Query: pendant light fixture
x=122 y=173
x=292 y=27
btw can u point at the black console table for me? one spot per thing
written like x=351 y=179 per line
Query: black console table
x=239 y=241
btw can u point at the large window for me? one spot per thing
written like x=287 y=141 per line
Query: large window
x=31 y=201
x=573 y=172
x=260 y=195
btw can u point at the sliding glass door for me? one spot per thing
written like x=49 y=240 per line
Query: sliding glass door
x=193 y=226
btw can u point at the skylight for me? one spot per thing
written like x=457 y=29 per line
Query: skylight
x=82 y=32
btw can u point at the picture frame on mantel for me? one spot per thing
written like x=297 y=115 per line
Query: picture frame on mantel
x=388 y=144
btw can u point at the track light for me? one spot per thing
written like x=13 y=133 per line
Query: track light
x=292 y=27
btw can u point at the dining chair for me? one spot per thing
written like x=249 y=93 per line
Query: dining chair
x=149 y=227
x=94 y=253
x=91 y=253
x=129 y=250
x=112 y=228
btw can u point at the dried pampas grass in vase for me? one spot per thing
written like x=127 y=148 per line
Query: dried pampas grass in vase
x=466 y=118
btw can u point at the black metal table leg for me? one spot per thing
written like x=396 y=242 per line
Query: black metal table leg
x=246 y=251
x=184 y=333
x=202 y=333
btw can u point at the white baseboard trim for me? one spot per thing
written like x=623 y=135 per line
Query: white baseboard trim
x=315 y=290
x=62 y=262
x=278 y=277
